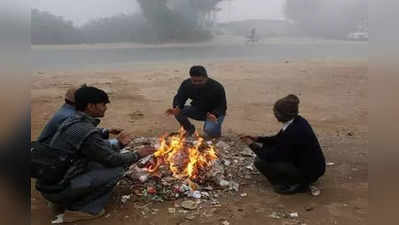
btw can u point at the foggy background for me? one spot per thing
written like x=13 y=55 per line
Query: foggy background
x=171 y=21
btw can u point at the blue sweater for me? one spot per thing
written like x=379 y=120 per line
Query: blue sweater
x=59 y=117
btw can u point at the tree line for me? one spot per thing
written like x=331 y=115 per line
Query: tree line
x=159 y=21
x=162 y=21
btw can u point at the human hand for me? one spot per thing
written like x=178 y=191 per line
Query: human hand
x=248 y=139
x=211 y=117
x=124 y=138
x=173 y=111
x=145 y=151
x=115 y=131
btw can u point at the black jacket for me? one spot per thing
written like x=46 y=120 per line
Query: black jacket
x=298 y=145
x=210 y=98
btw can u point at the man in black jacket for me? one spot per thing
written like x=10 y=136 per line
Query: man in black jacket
x=98 y=166
x=208 y=103
x=291 y=160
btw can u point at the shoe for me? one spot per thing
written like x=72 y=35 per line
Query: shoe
x=56 y=209
x=290 y=189
x=75 y=216
x=58 y=219
x=314 y=191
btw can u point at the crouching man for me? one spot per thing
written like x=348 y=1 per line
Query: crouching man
x=88 y=184
x=208 y=103
x=292 y=160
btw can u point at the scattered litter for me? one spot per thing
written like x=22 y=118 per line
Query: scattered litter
x=224 y=183
x=330 y=164
x=250 y=167
x=225 y=222
x=294 y=215
x=234 y=186
x=208 y=188
x=205 y=194
x=244 y=195
x=188 y=204
x=223 y=145
x=196 y=194
x=172 y=210
x=189 y=217
x=309 y=208
x=182 y=211
x=227 y=162
x=247 y=152
x=125 y=198
x=275 y=215
x=151 y=190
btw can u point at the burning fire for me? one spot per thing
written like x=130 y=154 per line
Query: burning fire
x=185 y=160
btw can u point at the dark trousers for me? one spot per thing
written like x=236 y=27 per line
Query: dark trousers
x=212 y=129
x=88 y=192
x=280 y=173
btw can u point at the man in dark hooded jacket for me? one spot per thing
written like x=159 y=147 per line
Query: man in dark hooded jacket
x=98 y=167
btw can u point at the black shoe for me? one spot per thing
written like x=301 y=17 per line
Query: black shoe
x=290 y=189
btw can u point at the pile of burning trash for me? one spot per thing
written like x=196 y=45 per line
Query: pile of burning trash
x=187 y=167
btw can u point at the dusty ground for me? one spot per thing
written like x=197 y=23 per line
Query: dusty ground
x=333 y=98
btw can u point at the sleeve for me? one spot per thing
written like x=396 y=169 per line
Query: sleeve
x=278 y=151
x=115 y=144
x=181 y=97
x=259 y=150
x=104 y=133
x=98 y=149
x=266 y=139
x=222 y=103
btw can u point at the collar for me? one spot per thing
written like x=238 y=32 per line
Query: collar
x=69 y=106
x=286 y=124
x=89 y=118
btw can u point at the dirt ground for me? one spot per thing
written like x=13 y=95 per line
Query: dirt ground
x=333 y=98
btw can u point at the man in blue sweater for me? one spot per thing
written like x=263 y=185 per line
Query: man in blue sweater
x=67 y=110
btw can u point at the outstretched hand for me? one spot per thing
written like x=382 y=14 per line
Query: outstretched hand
x=173 y=111
x=148 y=150
x=124 y=138
x=248 y=139
x=115 y=131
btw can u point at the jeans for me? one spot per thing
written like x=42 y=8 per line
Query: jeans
x=88 y=192
x=211 y=129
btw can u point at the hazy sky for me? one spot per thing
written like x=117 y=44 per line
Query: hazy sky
x=251 y=9
x=80 y=11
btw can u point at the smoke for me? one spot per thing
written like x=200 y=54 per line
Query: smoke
x=180 y=20
x=328 y=18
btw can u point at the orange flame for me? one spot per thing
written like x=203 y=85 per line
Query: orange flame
x=184 y=161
